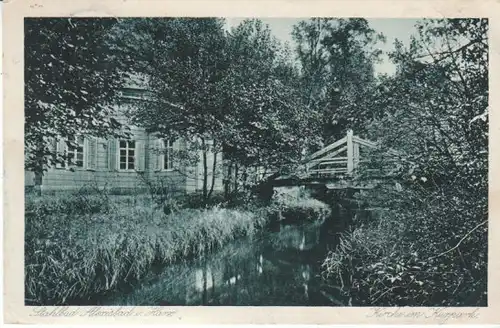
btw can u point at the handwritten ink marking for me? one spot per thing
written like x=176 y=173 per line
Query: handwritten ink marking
x=58 y=311
x=444 y=315
x=99 y=311
x=161 y=312
x=441 y=314
x=395 y=313
x=120 y=311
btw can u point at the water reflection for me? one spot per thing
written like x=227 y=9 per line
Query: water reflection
x=275 y=268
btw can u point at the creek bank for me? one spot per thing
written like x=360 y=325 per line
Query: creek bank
x=402 y=254
x=80 y=247
x=273 y=268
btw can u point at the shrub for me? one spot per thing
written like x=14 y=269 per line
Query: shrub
x=70 y=204
x=297 y=206
x=424 y=249
x=196 y=200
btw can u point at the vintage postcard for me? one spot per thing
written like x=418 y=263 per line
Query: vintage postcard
x=246 y=162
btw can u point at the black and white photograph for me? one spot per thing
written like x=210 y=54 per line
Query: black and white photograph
x=256 y=161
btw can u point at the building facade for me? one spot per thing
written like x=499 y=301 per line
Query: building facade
x=141 y=162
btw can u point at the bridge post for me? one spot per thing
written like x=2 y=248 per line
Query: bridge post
x=356 y=155
x=350 y=152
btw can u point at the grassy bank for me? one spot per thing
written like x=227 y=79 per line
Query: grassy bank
x=422 y=248
x=81 y=246
x=77 y=247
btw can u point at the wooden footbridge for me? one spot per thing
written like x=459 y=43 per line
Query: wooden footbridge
x=336 y=166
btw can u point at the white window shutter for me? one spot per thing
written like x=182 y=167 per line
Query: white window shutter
x=90 y=151
x=111 y=151
x=154 y=154
x=175 y=144
x=157 y=154
x=163 y=152
x=116 y=143
x=140 y=156
x=86 y=157
x=94 y=147
x=66 y=153
x=53 y=144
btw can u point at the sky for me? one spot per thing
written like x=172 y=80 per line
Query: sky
x=400 y=28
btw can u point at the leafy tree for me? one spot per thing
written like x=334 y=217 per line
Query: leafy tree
x=185 y=61
x=434 y=112
x=270 y=123
x=437 y=104
x=337 y=57
x=235 y=89
x=71 y=78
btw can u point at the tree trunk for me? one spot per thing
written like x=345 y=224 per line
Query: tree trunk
x=245 y=178
x=38 y=169
x=205 y=171
x=235 y=177
x=226 y=171
x=214 y=167
x=227 y=183
x=38 y=182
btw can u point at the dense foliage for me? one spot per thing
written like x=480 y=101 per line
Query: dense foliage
x=71 y=78
x=232 y=91
x=239 y=91
x=263 y=104
x=336 y=58
x=429 y=245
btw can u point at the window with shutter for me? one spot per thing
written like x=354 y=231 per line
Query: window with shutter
x=74 y=151
x=127 y=155
x=163 y=151
x=70 y=154
x=167 y=154
x=60 y=153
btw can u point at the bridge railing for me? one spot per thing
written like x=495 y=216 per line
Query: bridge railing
x=340 y=159
x=329 y=160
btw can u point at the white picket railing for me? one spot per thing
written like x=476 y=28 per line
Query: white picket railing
x=327 y=162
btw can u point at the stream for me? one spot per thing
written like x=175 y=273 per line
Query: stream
x=277 y=267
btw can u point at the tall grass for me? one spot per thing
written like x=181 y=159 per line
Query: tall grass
x=178 y=283
x=423 y=249
x=79 y=247
x=297 y=206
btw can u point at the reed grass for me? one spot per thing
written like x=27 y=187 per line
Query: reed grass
x=77 y=248
x=298 y=207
